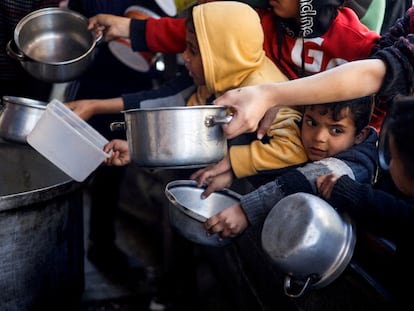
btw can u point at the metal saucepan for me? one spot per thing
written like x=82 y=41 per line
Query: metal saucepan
x=188 y=212
x=18 y=117
x=53 y=44
x=175 y=137
x=309 y=241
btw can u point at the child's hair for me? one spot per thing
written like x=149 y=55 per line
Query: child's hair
x=360 y=110
x=189 y=21
x=400 y=124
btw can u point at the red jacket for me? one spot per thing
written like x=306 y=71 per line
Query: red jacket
x=346 y=40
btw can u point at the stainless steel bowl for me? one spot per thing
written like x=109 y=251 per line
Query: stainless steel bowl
x=18 y=117
x=188 y=211
x=309 y=241
x=53 y=44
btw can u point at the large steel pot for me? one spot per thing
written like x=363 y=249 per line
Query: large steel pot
x=41 y=233
x=176 y=137
x=309 y=241
x=18 y=116
x=188 y=212
x=53 y=44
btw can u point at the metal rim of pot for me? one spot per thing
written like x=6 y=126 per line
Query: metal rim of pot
x=23 y=101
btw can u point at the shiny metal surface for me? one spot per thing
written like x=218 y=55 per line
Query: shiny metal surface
x=53 y=44
x=175 y=137
x=18 y=116
x=188 y=211
x=308 y=240
x=41 y=229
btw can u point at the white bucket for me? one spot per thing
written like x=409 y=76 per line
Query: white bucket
x=67 y=141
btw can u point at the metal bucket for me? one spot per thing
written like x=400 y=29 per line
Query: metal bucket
x=41 y=233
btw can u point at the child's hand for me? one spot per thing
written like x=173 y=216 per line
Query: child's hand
x=217 y=176
x=110 y=26
x=82 y=108
x=230 y=222
x=120 y=152
x=325 y=184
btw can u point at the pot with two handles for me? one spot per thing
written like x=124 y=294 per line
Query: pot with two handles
x=53 y=44
x=175 y=137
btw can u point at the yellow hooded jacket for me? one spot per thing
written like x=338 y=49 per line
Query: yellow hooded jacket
x=230 y=39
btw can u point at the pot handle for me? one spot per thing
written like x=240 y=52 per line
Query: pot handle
x=117 y=126
x=287 y=286
x=98 y=37
x=210 y=121
x=12 y=53
x=171 y=197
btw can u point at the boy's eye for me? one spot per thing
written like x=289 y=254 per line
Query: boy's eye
x=337 y=131
x=310 y=122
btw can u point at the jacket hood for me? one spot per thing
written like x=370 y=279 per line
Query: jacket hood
x=230 y=39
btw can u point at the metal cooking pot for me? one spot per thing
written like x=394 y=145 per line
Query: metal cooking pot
x=18 y=117
x=175 y=137
x=53 y=44
x=188 y=212
x=309 y=241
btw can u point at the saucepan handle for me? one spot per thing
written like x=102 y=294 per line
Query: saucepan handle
x=12 y=53
x=287 y=286
x=117 y=126
x=214 y=120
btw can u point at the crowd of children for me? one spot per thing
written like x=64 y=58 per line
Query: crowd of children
x=338 y=147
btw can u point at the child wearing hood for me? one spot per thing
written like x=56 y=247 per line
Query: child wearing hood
x=219 y=63
x=301 y=37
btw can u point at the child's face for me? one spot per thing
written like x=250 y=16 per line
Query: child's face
x=323 y=137
x=397 y=171
x=192 y=59
x=285 y=8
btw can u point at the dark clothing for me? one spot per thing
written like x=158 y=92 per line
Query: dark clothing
x=396 y=49
x=394 y=9
x=360 y=162
x=387 y=216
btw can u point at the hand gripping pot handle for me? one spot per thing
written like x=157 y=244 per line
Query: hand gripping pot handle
x=214 y=120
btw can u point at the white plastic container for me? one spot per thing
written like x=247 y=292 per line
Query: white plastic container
x=67 y=141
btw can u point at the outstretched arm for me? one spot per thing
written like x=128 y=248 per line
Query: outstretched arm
x=351 y=80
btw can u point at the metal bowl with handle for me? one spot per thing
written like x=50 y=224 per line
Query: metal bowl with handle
x=309 y=241
x=188 y=212
x=53 y=44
